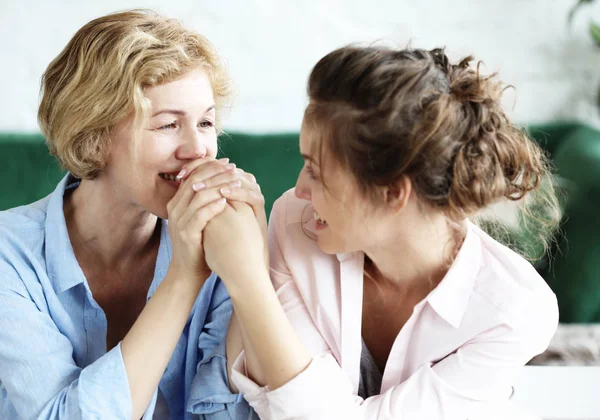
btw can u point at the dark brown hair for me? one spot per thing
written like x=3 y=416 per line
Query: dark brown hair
x=384 y=113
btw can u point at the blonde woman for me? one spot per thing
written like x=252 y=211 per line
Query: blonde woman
x=107 y=311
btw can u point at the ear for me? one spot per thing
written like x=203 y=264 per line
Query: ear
x=396 y=195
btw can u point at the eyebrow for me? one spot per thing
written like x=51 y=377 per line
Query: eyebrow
x=311 y=160
x=178 y=111
x=307 y=157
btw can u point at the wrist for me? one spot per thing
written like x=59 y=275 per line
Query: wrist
x=247 y=283
x=185 y=279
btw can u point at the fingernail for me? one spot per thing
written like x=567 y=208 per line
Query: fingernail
x=221 y=200
x=198 y=186
x=230 y=166
x=224 y=160
x=235 y=184
x=181 y=174
x=225 y=191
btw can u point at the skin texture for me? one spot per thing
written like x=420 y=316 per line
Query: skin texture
x=113 y=223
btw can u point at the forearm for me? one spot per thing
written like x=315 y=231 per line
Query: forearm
x=148 y=346
x=253 y=366
x=272 y=340
x=238 y=341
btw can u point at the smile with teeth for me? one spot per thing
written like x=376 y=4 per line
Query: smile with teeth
x=170 y=177
x=319 y=219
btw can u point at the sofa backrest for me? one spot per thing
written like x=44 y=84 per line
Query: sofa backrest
x=30 y=173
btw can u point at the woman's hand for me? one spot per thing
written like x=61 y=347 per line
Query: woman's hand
x=235 y=248
x=189 y=211
x=235 y=185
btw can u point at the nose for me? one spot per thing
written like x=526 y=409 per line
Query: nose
x=302 y=190
x=192 y=147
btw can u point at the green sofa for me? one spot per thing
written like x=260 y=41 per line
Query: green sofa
x=574 y=269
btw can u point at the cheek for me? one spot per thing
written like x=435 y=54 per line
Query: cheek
x=155 y=149
x=359 y=222
x=211 y=144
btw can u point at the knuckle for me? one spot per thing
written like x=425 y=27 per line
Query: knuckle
x=182 y=231
x=259 y=197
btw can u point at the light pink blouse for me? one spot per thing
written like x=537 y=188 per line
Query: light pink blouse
x=457 y=356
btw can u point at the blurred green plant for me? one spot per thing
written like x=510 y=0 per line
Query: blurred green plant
x=595 y=31
x=593 y=27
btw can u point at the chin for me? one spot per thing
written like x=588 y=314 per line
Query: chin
x=159 y=210
x=162 y=215
x=330 y=248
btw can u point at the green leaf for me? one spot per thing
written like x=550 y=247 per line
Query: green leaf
x=574 y=9
x=598 y=98
x=595 y=32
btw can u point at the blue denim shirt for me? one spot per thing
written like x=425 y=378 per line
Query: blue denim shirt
x=53 y=358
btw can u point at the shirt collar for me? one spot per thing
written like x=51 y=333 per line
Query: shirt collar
x=62 y=265
x=163 y=258
x=451 y=297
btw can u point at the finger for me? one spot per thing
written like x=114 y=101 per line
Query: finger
x=238 y=198
x=239 y=177
x=196 y=181
x=190 y=167
x=253 y=198
x=199 y=200
x=250 y=177
x=203 y=215
x=181 y=177
x=227 y=178
x=247 y=176
x=202 y=174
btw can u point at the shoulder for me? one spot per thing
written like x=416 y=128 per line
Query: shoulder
x=21 y=219
x=23 y=227
x=22 y=238
x=512 y=286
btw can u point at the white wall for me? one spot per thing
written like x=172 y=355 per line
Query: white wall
x=271 y=46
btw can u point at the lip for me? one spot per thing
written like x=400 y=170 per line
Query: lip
x=173 y=184
x=171 y=173
x=319 y=225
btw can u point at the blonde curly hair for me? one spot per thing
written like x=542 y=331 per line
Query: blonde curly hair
x=99 y=78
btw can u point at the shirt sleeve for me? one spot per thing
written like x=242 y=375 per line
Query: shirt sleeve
x=210 y=396
x=37 y=368
x=474 y=382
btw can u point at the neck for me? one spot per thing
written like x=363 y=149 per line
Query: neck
x=419 y=260
x=110 y=229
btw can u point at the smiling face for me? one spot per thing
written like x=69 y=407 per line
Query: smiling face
x=181 y=128
x=346 y=220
